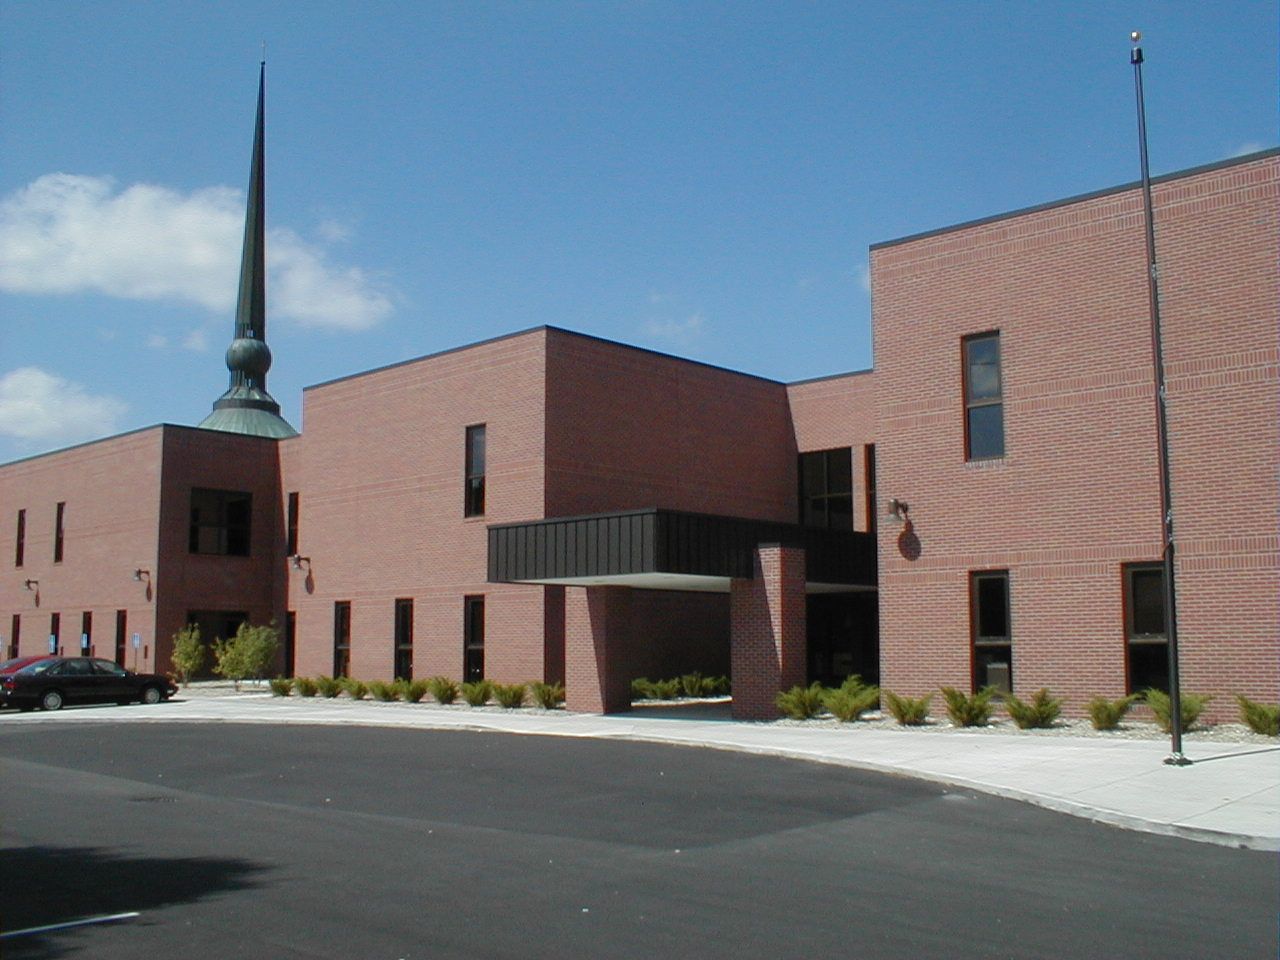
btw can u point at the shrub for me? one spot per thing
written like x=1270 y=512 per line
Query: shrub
x=477 y=693
x=411 y=691
x=384 y=692
x=908 y=711
x=281 y=686
x=305 y=686
x=188 y=653
x=642 y=689
x=691 y=685
x=801 y=703
x=329 y=687
x=1040 y=712
x=1193 y=705
x=249 y=654
x=356 y=689
x=715 y=686
x=665 y=689
x=1260 y=717
x=445 y=691
x=851 y=700
x=969 y=711
x=510 y=695
x=547 y=695
x=1106 y=714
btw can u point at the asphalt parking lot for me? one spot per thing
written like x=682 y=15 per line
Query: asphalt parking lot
x=300 y=841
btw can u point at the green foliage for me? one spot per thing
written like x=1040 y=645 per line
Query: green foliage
x=329 y=687
x=510 y=695
x=693 y=685
x=547 y=695
x=1193 y=705
x=1042 y=711
x=1260 y=717
x=665 y=689
x=356 y=689
x=689 y=685
x=852 y=699
x=969 y=711
x=801 y=703
x=642 y=689
x=477 y=693
x=281 y=686
x=384 y=692
x=1106 y=714
x=908 y=711
x=445 y=691
x=188 y=653
x=305 y=686
x=249 y=654
x=411 y=691
x=715 y=686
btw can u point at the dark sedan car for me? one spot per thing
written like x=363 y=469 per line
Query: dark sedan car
x=50 y=682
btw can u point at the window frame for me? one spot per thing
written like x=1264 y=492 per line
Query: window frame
x=59 y=531
x=821 y=502
x=228 y=535
x=979 y=643
x=20 y=539
x=474 y=480
x=1132 y=638
x=341 y=638
x=971 y=403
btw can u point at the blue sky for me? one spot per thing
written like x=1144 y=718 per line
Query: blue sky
x=699 y=178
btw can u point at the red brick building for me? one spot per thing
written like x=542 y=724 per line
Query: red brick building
x=549 y=505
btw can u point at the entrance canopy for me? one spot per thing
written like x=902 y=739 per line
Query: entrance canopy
x=671 y=550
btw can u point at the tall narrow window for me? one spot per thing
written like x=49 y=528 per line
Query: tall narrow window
x=55 y=632
x=473 y=639
x=983 y=398
x=475 y=472
x=291 y=537
x=58 y=532
x=992 y=639
x=341 y=638
x=220 y=522
x=404 y=640
x=14 y=635
x=122 y=636
x=290 y=643
x=1146 y=640
x=20 y=546
x=86 y=634
x=869 y=456
x=826 y=489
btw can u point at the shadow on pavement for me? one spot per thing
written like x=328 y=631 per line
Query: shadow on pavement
x=40 y=886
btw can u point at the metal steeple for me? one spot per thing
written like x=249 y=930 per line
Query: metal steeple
x=247 y=407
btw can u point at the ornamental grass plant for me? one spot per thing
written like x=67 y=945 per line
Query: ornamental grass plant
x=547 y=695
x=908 y=711
x=1193 y=705
x=444 y=690
x=1259 y=717
x=1106 y=714
x=969 y=710
x=1040 y=713
x=801 y=703
x=477 y=692
x=851 y=699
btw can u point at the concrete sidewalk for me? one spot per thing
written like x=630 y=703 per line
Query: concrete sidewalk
x=1230 y=795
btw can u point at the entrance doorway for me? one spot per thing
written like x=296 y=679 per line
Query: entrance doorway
x=843 y=637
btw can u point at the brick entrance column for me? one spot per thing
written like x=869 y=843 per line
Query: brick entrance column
x=597 y=641
x=767 y=639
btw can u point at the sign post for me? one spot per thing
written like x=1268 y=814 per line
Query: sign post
x=137 y=642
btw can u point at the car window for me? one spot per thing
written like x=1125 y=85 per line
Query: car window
x=108 y=668
x=40 y=666
x=74 y=668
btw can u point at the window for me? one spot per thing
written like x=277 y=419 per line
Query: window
x=983 y=398
x=122 y=636
x=220 y=522
x=20 y=547
x=86 y=634
x=473 y=639
x=1146 y=641
x=291 y=536
x=869 y=456
x=55 y=631
x=474 y=506
x=404 y=640
x=14 y=634
x=341 y=638
x=826 y=489
x=992 y=638
x=58 y=532
x=290 y=643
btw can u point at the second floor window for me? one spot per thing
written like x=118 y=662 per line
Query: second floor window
x=20 y=549
x=826 y=489
x=58 y=531
x=983 y=398
x=220 y=521
x=474 y=506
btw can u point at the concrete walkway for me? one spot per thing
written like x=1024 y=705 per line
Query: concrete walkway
x=1230 y=795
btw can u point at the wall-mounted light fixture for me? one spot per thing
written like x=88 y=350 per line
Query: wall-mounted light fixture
x=142 y=574
x=32 y=584
x=898 y=509
x=298 y=560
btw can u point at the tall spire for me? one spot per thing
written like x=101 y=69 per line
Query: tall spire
x=247 y=407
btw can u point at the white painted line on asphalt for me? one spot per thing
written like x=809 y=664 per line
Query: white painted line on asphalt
x=87 y=921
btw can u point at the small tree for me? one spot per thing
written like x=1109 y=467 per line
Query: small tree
x=247 y=655
x=188 y=653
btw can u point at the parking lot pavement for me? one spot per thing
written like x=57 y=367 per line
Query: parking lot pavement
x=1229 y=795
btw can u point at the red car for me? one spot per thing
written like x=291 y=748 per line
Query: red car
x=49 y=682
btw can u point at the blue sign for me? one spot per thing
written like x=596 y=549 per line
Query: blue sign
x=53 y=643
x=84 y=641
x=137 y=640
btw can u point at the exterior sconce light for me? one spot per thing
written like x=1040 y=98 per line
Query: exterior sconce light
x=32 y=584
x=142 y=574
x=298 y=560
x=898 y=509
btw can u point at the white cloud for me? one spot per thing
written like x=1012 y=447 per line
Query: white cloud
x=39 y=407
x=197 y=341
x=864 y=276
x=157 y=341
x=1251 y=146
x=679 y=332
x=66 y=233
x=331 y=231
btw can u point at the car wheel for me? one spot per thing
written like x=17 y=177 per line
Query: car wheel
x=151 y=695
x=52 y=700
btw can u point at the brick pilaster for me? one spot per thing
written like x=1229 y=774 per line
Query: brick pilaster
x=598 y=635
x=767 y=633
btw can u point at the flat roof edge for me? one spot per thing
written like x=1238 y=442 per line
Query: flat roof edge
x=1079 y=198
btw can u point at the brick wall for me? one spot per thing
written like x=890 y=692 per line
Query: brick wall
x=767 y=614
x=1076 y=494
x=834 y=412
